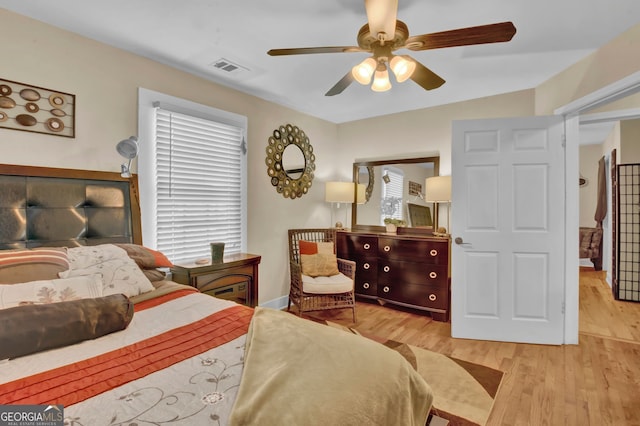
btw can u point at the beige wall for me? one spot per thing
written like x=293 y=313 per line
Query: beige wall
x=105 y=81
x=424 y=132
x=630 y=141
x=612 y=62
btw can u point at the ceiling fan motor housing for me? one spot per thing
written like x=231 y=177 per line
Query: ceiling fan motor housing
x=367 y=41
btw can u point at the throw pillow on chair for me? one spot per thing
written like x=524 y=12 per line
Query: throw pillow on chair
x=319 y=264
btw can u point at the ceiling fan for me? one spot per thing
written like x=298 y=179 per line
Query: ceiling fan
x=383 y=34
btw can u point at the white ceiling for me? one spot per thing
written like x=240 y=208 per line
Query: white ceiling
x=191 y=35
x=595 y=133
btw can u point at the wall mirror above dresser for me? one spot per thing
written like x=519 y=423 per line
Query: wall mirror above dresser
x=394 y=188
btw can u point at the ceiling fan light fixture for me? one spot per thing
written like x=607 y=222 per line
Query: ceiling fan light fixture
x=402 y=67
x=381 y=81
x=363 y=72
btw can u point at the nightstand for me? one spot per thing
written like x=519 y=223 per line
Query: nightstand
x=235 y=278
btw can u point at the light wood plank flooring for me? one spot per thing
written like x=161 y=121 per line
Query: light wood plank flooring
x=596 y=382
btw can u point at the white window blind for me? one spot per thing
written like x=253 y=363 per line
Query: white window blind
x=392 y=193
x=199 y=185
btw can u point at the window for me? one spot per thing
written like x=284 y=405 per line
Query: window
x=192 y=171
x=392 y=183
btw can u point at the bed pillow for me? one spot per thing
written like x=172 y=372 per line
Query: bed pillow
x=120 y=274
x=145 y=257
x=319 y=264
x=154 y=275
x=24 y=265
x=34 y=328
x=311 y=247
x=50 y=291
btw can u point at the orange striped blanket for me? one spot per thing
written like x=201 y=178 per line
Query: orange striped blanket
x=181 y=358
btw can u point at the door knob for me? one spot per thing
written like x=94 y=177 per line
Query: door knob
x=460 y=242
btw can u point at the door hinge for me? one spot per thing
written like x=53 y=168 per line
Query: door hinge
x=564 y=140
x=563 y=307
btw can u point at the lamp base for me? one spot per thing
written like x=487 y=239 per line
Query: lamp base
x=441 y=232
x=339 y=225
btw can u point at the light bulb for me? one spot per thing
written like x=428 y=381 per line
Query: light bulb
x=403 y=67
x=363 y=71
x=381 y=81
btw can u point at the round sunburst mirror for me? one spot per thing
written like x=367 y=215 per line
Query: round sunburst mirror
x=366 y=176
x=290 y=161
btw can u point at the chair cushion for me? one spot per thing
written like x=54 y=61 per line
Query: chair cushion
x=590 y=242
x=319 y=264
x=338 y=283
x=311 y=247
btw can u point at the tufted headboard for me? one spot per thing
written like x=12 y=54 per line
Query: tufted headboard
x=42 y=206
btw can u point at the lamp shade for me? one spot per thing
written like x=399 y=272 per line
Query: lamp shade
x=402 y=67
x=339 y=192
x=438 y=189
x=363 y=72
x=128 y=148
x=381 y=81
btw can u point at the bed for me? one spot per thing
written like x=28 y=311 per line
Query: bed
x=90 y=325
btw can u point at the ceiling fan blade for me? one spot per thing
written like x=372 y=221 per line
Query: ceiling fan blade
x=426 y=78
x=381 y=15
x=341 y=85
x=307 y=50
x=492 y=33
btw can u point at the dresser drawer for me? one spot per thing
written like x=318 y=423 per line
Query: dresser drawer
x=366 y=276
x=426 y=296
x=396 y=271
x=430 y=251
x=365 y=287
x=362 y=246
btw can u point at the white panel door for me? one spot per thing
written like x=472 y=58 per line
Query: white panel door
x=508 y=213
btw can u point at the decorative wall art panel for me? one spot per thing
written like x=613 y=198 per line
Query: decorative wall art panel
x=415 y=188
x=36 y=109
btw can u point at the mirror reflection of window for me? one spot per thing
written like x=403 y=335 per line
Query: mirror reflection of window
x=392 y=184
x=293 y=161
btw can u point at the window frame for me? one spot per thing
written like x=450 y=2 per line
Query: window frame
x=384 y=189
x=148 y=100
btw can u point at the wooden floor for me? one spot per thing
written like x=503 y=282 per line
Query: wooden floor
x=596 y=382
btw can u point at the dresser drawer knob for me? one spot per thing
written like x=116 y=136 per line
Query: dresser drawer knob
x=433 y=275
x=367 y=246
x=386 y=269
x=386 y=289
x=433 y=297
x=365 y=286
x=366 y=266
x=386 y=248
x=433 y=253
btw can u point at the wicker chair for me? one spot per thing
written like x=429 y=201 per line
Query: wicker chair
x=307 y=302
x=591 y=246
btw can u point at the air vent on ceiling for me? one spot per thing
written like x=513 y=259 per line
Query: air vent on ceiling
x=230 y=68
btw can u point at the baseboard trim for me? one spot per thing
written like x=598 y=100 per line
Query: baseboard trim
x=586 y=262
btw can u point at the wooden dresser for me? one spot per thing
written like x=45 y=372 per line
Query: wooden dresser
x=411 y=271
